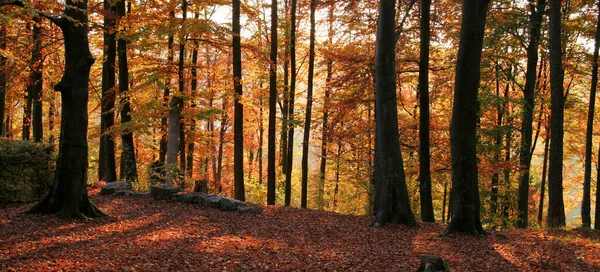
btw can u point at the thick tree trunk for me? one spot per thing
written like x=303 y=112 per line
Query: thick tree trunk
x=465 y=203
x=424 y=157
x=291 y=100
x=272 y=107
x=309 y=94
x=394 y=204
x=128 y=162
x=535 y=26
x=556 y=206
x=37 y=64
x=106 y=157
x=238 y=121
x=68 y=197
x=586 y=219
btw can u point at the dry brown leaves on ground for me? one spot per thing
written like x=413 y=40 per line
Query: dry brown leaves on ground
x=147 y=235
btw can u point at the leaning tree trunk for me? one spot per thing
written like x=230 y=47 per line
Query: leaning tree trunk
x=556 y=206
x=128 y=161
x=394 y=204
x=272 y=108
x=238 y=119
x=107 y=169
x=586 y=220
x=465 y=203
x=535 y=26
x=68 y=197
x=309 y=94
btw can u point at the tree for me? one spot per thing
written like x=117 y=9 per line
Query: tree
x=3 y=77
x=392 y=194
x=238 y=121
x=36 y=80
x=128 y=162
x=325 y=128
x=193 y=90
x=465 y=206
x=162 y=153
x=272 y=107
x=309 y=94
x=556 y=206
x=291 y=100
x=107 y=170
x=535 y=26
x=424 y=157
x=68 y=196
x=586 y=220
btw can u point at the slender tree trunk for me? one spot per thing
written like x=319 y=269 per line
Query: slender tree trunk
x=535 y=26
x=181 y=83
x=500 y=108
x=37 y=65
x=291 y=101
x=309 y=93
x=444 y=202
x=261 y=132
x=337 y=175
x=28 y=102
x=465 y=203
x=597 y=213
x=3 y=79
x=194 y=88
x=166 y=92
x=272 y=107
x=286 y=94
x=222 y=131
x=586 y=219
x=424 y=157
x=238 y=121
x=128 y=162
x=393 y=202
x=544 y=175
x=556 y=206
x=325 y=128
x=68 y=196
x=107 y=170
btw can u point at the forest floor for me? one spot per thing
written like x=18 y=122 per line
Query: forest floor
x=147 y=235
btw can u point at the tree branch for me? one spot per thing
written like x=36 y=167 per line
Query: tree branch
x=18 y=3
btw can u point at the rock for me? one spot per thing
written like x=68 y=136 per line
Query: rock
x=250 y=209
x=123 y=193
x=211 y=201
x=433 y=263
x=229 y=204
x=163 y=191
x=139 y=194
x=112 y=187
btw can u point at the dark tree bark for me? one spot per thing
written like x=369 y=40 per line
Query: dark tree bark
x=586 y=219
x=535 y=26
x=128 y=162
x=3 y=79
x=37 y=64
x=238 y=121
x=272 y=107
x=68 y=197
x=556 y=206
x=162 y=154
x=597 y=214
x=28 y=100
x=291 y=100
x=424 y=156
x=500 y=109
x=107 y=169
x=193 y=91
x=325 y=128
x=309 y=94
x=393 y=202
x=286 y=87
x=181 y=86
x=465 y=203
x=544 y=171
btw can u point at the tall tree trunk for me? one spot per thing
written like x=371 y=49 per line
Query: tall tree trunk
x=286 y=86
x=37 y=64
x=181 y=85
x=27 y=102
x=424 y=156
x=597 y=214
x=128 y=162
x=544 y=171
x=272 y=107
x=325 y=128
x=586 y=219
x=535 y=26
x=291 y=101
x=193 y=91
x=337 y=175
x=500 y=109
x=166 y=92
x=309 y=94
x=238 y=121
x=107 y=169
x=465 y=203
x=68 y=196
x=394 y=204
x=261 y=132
x=556 y=206
x=3 y=79
x=222 y=130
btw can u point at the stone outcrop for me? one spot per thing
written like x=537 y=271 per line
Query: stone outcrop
x=112 y=187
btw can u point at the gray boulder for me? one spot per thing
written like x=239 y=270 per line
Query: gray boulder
x=112 y=187
x=250 y=209
x=163 y=191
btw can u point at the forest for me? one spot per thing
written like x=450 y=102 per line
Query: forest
x=423 y=119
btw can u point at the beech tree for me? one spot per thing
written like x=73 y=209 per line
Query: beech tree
x=291 y=100
x=556 y=206
x=3 y=78
x=238 y=121
x=68 y=196
x=272 y=108
x=392 y=194
x=465 y=204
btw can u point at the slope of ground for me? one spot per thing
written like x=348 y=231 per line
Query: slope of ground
x=147 y=235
